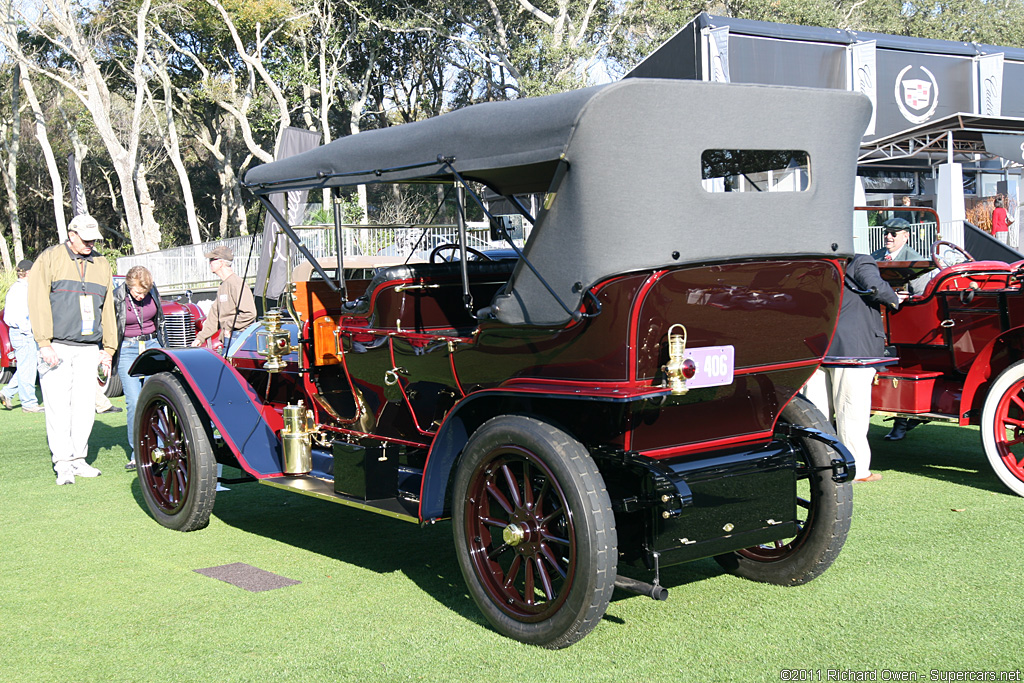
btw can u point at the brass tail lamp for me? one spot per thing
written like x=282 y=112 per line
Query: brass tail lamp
x=679 y=368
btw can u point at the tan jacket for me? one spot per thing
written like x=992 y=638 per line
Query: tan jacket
x=59 y=291
x=233 y=309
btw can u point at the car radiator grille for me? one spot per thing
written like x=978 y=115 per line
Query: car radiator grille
x=179 y=330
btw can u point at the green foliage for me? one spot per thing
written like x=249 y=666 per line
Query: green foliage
x=7 y=278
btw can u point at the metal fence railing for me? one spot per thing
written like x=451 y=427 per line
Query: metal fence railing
x=181 y=268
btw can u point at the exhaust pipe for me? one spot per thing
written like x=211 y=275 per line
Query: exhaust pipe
x=653 y=591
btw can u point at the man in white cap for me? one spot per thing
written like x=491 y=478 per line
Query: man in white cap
x=234 y=308
x=71 y=306
x=16 y=317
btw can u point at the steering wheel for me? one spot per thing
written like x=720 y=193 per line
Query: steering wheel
x=946 y=254
x=434 y=254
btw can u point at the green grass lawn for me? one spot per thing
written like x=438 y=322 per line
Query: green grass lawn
x=92 y=589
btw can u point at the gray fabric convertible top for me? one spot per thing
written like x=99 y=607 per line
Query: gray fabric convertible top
x=632 y=198
x=487 y=142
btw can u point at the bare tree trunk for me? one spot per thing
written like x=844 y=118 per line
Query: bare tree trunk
x=10 y=172
x=231 y=206
x=174 y=151
x=51 y=162
x=150 y=228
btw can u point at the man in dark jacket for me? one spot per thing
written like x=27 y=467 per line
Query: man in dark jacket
x=842 y=386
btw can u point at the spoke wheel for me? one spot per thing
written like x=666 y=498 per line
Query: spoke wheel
x=175 y=462
x=534 y=531
x=6 y=374
x=1002 y=427
x=823 y=512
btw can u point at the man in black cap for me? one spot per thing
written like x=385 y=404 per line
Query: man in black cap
x=25 y=349
x=895 y=238
x=71 y=303
x=234 y=308
x=897 y=234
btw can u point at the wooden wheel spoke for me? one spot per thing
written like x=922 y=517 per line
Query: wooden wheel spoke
x=162 y=426
x=513 y=485
x=1013 y=422
x=491 y=521
x=513 y=571
x=499 y=497
x=550 y=518
x=804 y=503
x=542 y=494
x=497 y=552
x=552 y=560
x=527 y=486
x=545 y=579
x=548 y=536
x=529 y=587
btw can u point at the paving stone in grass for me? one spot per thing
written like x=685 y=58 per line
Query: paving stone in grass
x=248 y=577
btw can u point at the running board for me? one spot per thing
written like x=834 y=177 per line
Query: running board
x=397 y=508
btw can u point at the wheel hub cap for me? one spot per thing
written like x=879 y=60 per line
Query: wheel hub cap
x=158 y=455
x=513 y=534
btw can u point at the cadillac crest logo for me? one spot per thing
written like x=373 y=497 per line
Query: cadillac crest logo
x=916 y=98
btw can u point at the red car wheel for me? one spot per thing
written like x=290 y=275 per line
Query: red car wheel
x=1002 y=427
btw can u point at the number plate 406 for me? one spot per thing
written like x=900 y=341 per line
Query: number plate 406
x=714 y=366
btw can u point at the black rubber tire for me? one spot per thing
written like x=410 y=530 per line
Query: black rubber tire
x=828 y=507
x=6 y=374
x=113 y=388
x=576 y=572
x=1005 y=449
x=175 y=462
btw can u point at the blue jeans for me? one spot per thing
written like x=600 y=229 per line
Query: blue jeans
x=25 y=353
x=132 y=385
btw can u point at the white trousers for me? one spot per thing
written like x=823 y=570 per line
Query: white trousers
x=843 y=395
x=69 y=391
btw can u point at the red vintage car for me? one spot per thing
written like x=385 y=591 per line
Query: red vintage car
x=958 y=346
x=622 y=393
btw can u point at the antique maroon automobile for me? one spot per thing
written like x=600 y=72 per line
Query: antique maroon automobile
x=624 y=392
x=959 y=349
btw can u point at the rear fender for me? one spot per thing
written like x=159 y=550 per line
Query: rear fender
x=999 y=354
x=574 y=414
x=249 y=427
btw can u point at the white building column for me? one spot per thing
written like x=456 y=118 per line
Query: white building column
x=949 y=202
x=861 y=239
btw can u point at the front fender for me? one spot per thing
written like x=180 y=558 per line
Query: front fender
x=249 y=427
x=998 y=354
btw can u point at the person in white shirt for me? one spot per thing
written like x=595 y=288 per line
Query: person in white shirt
x=25 y=349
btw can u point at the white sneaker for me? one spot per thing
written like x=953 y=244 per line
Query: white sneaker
x=81 y=468
x=65 y=477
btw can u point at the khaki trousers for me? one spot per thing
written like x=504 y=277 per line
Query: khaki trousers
x=69 y=392
x=843 y=395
